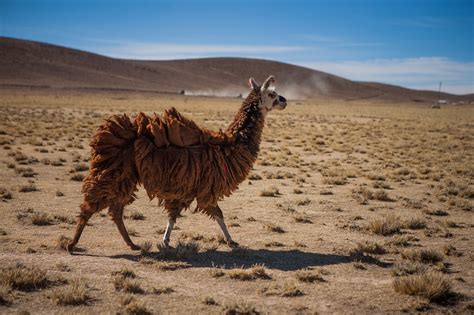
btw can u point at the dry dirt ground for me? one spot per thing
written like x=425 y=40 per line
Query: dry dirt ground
x=350 y=208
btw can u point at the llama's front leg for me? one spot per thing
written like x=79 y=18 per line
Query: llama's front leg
x=169 y=228
x=173 y=208
x=216 y=213
x=227 y=236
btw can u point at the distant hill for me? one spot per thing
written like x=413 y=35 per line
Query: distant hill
x=29 y=63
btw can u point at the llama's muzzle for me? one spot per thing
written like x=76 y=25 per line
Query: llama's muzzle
x=282 y=101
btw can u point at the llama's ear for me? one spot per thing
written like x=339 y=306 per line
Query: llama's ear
x=268 y=82
x=253 y=84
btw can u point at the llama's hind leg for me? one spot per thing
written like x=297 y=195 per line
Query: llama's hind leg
x=116 y=212
x=82 y=219
x=216 y=213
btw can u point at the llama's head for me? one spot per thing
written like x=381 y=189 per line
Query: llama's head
x=269 y=98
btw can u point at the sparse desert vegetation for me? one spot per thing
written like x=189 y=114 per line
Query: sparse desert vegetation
x=23 y=277
x=433 y=286
x=77 y=293
x=354 y=205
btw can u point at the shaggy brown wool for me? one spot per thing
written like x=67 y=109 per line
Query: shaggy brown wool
x=175 y=161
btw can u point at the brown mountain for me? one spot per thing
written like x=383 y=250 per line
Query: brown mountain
x=29 y=63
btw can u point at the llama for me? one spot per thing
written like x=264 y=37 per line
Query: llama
x=175 y=161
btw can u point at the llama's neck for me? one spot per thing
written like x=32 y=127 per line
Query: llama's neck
x=246 y=128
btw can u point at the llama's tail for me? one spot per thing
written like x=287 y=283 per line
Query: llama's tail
x=113 y=176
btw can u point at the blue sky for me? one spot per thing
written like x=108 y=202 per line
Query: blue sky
x=413 y=43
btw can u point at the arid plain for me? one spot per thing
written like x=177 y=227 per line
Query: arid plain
x=352 y=207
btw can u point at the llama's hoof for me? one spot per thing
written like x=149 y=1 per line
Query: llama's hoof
x=232 y=244
x=135 y=247
x=165 y=244
x=70 y=248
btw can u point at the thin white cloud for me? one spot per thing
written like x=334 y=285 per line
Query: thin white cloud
x=334 y=41
x=159 y=51
x=319 y=38
x=420 y=22
x=417 y=73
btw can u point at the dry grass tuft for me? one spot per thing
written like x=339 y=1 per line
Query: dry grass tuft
x=335 y=180
x=181 y=251
x=124 y=281
x=370 y=248
x=125 y=273
x=145 y=248
x=5 y=194
x=303 y=202
x=57 y=163
x=381 y=185
x=376 y=176
x=359 y=265
x=41 y=219
x=427 y=256
x=61 y=266
x=362 y=195
x=164 y=290
x=297 y=191
x=172 y=265
x=133 y=307
x=62 y=242
x=401 y=240
x=386 y=225
x=76 y=293
x=409 y=268
x=274 y=244
x=81 y=167
x=78 y=177
x=28 y=188
x=26 y=171
x=381 y=195
x=302 y=219
x=437 y=212
x=326 y=192
x=240 y=308
x=59 y=193
x=126 y=284
x=286 y=207
x=254 y=176
x=415 y=223
x=274 y=228
x=450 y=250
x=64 y=219
x=4 y=296
x=433 y=286
x=290 y=290
x=132 y=232
x=216 y=272
x=253 y=273
x=209 y=301
x=287 y=290
x=270 y=192
x=309 y=277
x=136 y=215
x=24 y=278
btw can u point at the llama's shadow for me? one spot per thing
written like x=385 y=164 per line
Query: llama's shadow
x=285 y=260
